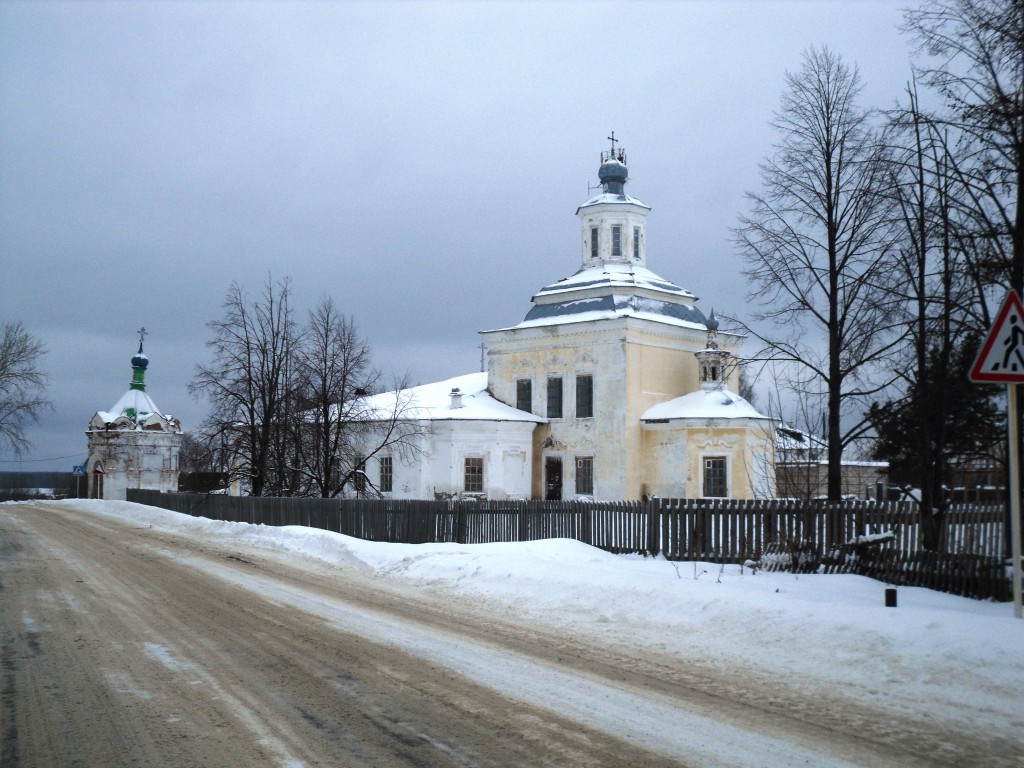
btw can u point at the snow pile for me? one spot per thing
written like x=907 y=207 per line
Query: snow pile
x=934 y=652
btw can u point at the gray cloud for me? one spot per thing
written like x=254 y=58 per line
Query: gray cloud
x=420 y=162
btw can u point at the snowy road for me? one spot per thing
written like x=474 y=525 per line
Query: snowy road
x=129 y=646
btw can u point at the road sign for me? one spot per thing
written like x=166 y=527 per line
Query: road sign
x=78 y=471
x=1001 y=358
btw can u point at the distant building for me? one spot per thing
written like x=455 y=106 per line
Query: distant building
x=802 y=469
x=614 y=386
x=132 y=445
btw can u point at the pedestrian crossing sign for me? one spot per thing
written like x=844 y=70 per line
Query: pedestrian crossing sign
x=1001 y=358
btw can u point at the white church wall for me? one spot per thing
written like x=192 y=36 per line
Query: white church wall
x=438 y=469
x=134 y=459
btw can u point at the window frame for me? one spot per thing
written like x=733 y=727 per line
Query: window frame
x=616 y=240
x=529 y=394
x=709 y=480
x=636 y=243
x=476 y=463
x=560 y=400
x=595 y=243
x=584 y=461
x=359 y=474
x=387 y=474
x=589 y=389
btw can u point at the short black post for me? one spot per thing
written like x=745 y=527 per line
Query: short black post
x=890 y=597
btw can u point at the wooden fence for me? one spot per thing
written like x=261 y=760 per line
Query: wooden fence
x=876 y=539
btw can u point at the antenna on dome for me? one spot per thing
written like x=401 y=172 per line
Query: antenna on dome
x=613 y=155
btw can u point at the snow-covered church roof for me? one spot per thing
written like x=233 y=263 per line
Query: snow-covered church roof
x=611 y=291
x=703 y=404
x=461 y=398
x=135 y=409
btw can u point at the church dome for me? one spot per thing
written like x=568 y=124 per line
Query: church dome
x=613 y=170
x=139 y=360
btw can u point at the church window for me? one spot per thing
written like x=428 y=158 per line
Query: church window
x=716 y=479
x=554 y=397
x=593 y=242
x=524 y=395
x=359 y=474
x=636 y=243
x=386 y=474
x=474 y=482
x=584 y=475
x=584 y=396
x=616 y=241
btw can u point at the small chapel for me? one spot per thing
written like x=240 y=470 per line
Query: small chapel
x=133 y=444
x=614 y=386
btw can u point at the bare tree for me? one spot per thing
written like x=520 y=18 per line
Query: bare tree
x=22 y=385
x=977 y=67
x=340 y=423
x=249 y=385
x=818 y=247
x=335 y=373
x=940 y=289
x=197 y=454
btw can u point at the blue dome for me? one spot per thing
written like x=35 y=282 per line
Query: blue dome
x=140 y=360
x=613 y=170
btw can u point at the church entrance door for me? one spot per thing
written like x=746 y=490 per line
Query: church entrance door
x=552 y=478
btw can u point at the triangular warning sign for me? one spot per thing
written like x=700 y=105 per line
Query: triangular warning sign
x=1002 y=355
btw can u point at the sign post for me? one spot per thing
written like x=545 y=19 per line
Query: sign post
x=79 y=472
x=1001 y=359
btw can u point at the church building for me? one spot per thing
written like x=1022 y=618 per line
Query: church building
x=624 y=388
x=133 y=445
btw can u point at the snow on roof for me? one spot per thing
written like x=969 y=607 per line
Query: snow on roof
x=135 y=405
x=703 y=404
x=611 y=197
x=611 y=307
x=614 y=276
x=611 y=291
x=434 y=402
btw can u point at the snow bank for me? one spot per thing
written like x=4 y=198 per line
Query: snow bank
x=935 y=650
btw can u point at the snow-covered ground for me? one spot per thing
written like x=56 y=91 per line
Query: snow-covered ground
x=933 y=655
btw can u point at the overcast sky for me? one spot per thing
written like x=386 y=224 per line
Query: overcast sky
x=419 y=162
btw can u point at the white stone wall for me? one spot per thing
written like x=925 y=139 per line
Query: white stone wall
x=604 y=217
x=133 y=458
x=438 y=467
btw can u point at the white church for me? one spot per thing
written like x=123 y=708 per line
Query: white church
x=132 y=444
x=614 y=386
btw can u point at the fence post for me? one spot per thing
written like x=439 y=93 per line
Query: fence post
x=460 y=523
x=653 y=526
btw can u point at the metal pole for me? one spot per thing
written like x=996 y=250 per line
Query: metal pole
x=1011 y=414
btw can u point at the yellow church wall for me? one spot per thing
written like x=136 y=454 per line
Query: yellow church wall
x=674 y=455
x=635 y=365
x=566 y=352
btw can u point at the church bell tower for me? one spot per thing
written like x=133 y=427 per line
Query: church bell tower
x=613 y=224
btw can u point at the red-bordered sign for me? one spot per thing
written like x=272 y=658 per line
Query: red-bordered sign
x=1001 y=358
